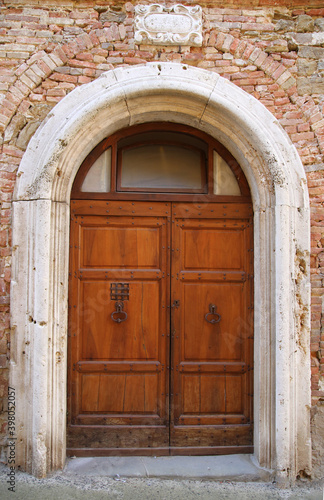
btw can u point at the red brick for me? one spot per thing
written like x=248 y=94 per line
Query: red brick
x=58 y=77
x=248 y=51
x=81 y=64
x=220 y=40
x=222 y=62
x=84 y=79
x=305 y=136
x=212 y=38
x=85 y=56
x=241 y=48
x=188 y=57
x=315 y=12
x=304 y=127
x=257 y=27
x=282 y=101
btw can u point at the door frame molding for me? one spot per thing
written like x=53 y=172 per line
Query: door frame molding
x=202 y=99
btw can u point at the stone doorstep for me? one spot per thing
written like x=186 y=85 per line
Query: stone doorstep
x=241 y=468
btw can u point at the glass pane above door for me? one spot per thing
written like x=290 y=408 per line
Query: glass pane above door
x=225 y=182
x=97 y=179
x=160 y=167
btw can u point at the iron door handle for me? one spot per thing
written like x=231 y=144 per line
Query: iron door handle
x=119 y=310
x=212 y=312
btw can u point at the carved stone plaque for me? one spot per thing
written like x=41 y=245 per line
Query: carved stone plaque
x=176 y=25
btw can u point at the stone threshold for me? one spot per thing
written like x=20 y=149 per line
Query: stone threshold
x=241 y=468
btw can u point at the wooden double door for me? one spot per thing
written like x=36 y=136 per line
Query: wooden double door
x=160 y=328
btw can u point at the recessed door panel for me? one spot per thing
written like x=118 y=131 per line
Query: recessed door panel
x=136 y=337
x=208 y=249
x=117 y=394
x=219 y=333
x=120 y=244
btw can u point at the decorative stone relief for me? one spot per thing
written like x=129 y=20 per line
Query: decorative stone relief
x=176 y=25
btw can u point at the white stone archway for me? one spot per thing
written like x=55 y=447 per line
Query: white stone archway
x=182 y=94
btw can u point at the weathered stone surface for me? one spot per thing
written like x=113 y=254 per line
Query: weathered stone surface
x=317 y=423
x=87 y=115
x=14 y=127
x=27 y=133
x=304 y=23
x=112 y=17
x=309 y=38
x=39 y=111
x=311 y=52
x=36 y=114
x=277 y=46
x=284 y=25
x=319 y=23
x=306 y=67
x=311 y=85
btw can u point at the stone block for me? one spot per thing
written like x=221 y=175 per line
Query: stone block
x=306 y=67
x=316 y=39
x=27 y=133
x=277 y=46
x=16 y=124
x=309 y=86
x=112 y=17
x=319 y=23
x=304 y=23
x=284 y=25
x=311 y=52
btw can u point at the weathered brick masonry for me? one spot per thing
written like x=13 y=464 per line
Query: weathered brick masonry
x=271 y=49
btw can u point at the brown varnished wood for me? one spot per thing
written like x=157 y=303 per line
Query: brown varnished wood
x=129 y=208
x=122 y=377
x=119 y=372
x=184 y=197
x=211 y=401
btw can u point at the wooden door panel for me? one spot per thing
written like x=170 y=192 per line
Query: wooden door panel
x=106 y=440
x=209 y=394
x=117 y=394
x=123 y=247
x=137 y=338
x=118 y=380
x=207 y=249
x=211 y=329
x=207 y=440
x=220 y=341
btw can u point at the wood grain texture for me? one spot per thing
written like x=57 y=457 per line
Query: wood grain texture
x=212 y=376
x=165 y=378
x=118 y=370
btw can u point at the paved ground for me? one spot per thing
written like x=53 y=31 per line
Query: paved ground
x=83 y=481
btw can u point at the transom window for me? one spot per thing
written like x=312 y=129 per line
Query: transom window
x=159 y=160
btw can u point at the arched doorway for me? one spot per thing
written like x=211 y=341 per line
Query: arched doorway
x=161 y=297
x=41 y=210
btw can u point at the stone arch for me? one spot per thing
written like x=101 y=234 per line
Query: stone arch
x=178 y=93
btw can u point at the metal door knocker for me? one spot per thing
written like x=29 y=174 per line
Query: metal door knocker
x=119 y=292
x=120 y=311
x=212 y=312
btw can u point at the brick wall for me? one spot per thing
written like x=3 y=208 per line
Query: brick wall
x=272 y=49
